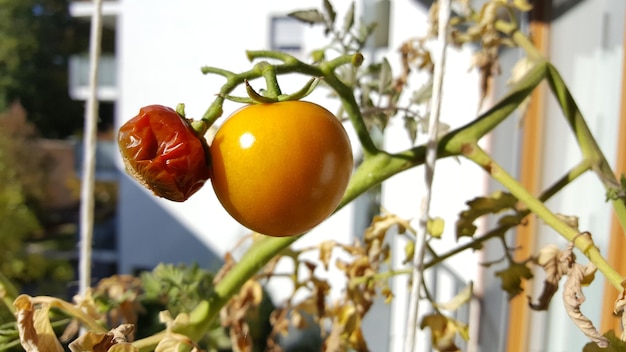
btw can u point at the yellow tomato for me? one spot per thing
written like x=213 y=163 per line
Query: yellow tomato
x=282 y=168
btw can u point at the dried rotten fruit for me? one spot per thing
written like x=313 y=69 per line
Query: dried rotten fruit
x=163 y=152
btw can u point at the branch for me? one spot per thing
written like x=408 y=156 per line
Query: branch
x=429 y=173
x=583 y=243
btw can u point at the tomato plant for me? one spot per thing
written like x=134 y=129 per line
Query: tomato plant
x=163 y=152
x=281 y=168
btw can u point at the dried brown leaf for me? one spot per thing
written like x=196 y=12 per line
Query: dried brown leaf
x=103 y=342
x=34 y=326
x=381 y=224
x=279 y=321
x=298 y=320
x=346 y=330
x=122 y=290
x=387 y=293
x=234 y=314
x=461 y=298
x=573 y=298
x=554 y=266
x=326 y=252
x=176 y=343
x=443 y=331
x=570 y=220
x=619 y=308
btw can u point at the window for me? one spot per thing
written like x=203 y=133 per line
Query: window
x=286 y=34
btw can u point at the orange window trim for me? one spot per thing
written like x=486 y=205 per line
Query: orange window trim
x=617 y=240
x=530 y=177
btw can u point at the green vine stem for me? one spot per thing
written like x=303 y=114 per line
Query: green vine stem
x=587 y=143
x=583 y=243
x=269 y=73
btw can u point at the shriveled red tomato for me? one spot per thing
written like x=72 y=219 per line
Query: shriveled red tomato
x=282 y=168
x=162 y=151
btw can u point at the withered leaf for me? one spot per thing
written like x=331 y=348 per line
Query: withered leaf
x=461 y=298
x=381 y=224
x=103 y=342
x=326 y=252
x=34 y=326
x=573 y=298
x=619 y=309
x=347 y=317
x=92 y=341
x=175 y=343
x=387 y=293
x=550 y=258
x=443 y=331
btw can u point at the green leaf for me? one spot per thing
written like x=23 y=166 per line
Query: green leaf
x=499 y=201
x=423 y=94
x=409 y=252
x=509 y=220
x=348 y=19
x=512 y=276
x=385 y=80
x=616 y=344
x=410 y=125
x=364 y=32
x=330 y=12
x=435 y=226
x=308 y=16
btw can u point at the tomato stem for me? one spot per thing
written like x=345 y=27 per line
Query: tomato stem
x=256 y=97
x=269 y=73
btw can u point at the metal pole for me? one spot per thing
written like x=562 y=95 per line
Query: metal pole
x=89 y=154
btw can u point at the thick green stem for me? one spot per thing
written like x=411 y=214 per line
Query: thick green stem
x=585 y=139
x=273 y=88
x=583 y=243
x=582 y=133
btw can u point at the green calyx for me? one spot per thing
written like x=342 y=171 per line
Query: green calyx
x=272 y=93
